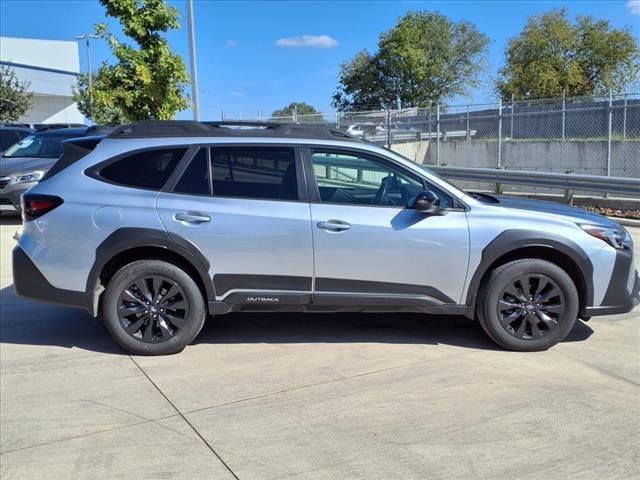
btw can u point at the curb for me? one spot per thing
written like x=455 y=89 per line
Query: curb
x=627 y=222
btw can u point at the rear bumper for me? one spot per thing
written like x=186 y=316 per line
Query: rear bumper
x=30 y=283
x=623 y=292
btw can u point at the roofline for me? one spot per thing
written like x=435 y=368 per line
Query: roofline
x=40 y=69
x=188 y=128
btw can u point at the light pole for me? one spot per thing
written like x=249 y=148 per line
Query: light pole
x=86 y=37
x=192 y=61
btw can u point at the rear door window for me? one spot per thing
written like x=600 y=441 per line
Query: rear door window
x=149 y=169
x=267 y=173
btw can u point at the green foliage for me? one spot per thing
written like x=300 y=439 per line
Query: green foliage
x=553 y=54
x=15 y=99
x=148 y=81
x=103 y=113
x=426 y=58
x=305 y=113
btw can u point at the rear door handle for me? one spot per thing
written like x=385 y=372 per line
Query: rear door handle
x=192 y=217
x=334 y=225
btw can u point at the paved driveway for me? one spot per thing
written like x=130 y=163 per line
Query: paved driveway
x=314 y=397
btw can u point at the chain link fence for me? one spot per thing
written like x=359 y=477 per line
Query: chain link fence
x=582 y=135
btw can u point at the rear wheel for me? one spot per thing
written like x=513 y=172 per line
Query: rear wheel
x=153 y=307
x=528 y=305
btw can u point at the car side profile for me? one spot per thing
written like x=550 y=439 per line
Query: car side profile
x=162 y=224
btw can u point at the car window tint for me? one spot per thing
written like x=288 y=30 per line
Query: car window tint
x=254 y=172
x=148 y=169
x=7 y=138
x=195 y=179
x=355 y=179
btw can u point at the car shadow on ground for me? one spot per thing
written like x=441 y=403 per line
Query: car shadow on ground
x=29 y=323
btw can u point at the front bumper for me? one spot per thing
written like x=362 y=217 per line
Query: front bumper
x=29 y=283
x=623 y=292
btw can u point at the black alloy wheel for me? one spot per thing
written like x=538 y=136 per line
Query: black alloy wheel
x=531 y=306
x=153 y=309
x=528 y=305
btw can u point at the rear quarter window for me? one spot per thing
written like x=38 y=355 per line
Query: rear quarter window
x=149 y=169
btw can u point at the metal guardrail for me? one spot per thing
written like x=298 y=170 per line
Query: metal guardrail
x=542 y=179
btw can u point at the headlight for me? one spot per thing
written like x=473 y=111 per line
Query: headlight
x=617 y=238
x=29 y=177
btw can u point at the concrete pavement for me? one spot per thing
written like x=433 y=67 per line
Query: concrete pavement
x=314 y=397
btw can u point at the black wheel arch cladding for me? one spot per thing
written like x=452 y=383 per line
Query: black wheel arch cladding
x=513 y=240
x=129 y=238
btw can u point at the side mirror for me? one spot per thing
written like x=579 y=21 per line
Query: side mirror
x=425 y=202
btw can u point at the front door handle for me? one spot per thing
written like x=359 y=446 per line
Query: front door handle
x=334 y=225
x=192 y=217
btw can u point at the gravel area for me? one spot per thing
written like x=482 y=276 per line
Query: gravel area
x=612 y=212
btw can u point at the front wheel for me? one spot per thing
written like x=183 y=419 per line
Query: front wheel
x=153 y=307
x=528 y=305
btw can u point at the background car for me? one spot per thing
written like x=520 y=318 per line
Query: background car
x=11 y=134
x=26 y=162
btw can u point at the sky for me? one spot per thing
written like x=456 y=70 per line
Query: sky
x=262 y=55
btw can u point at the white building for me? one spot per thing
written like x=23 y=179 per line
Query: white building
x=52 y=68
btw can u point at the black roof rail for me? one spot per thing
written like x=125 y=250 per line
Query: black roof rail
x=189 y=128
x=243 y=123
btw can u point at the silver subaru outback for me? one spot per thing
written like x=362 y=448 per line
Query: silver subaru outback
x=161 y=224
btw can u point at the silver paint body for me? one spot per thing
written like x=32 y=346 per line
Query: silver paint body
x=259 y=237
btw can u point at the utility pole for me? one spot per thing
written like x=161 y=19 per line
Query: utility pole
x=192 y=61
x=86 y=37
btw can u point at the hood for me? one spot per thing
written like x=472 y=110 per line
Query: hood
x=13 y=166
x=574 y=214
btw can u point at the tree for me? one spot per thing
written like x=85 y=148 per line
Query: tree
x=147 y=82
x=426 y=58
x=102 y=112
x=304 y=113
x=553 y=55
x=15 y=99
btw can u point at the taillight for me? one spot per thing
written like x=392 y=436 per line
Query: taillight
x=34 y=205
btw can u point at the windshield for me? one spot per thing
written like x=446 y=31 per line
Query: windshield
x=41 y=146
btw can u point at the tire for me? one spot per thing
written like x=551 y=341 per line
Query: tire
x=160 y=305
x=528 y=305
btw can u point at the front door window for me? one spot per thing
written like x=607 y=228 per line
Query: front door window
x=352 y=179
